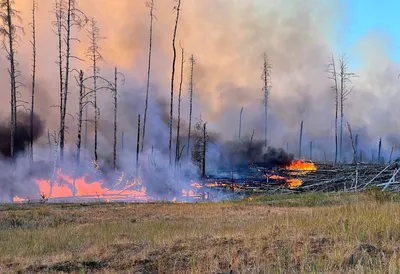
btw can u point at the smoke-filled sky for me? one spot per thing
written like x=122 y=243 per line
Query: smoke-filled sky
x=228 y=38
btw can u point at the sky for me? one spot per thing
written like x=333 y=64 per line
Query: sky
x=365 y=16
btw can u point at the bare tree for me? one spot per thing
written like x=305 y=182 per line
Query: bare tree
x=200 y=138
x=191 y=89
x=353 y=145
x=9 y=31
x=266 y=77
x=178 y=9
x=331 y=69
x=149 y=4
x=177 y=154
x=240 y=123
x=33 y=42
x=81 y=106
x=58 y=10
x=93 y=52
x=345 y=78
x=68 y=16
x=115 y=96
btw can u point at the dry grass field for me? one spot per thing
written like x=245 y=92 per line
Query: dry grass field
x=308 y=233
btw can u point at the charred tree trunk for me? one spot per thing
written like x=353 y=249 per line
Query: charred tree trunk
x=9 y=33
x=179 y=110
x=178 y=8
x=33 y=74
x=240 y=123
x=300 y=139
x=391 y=154
x=150 y=4
x=79 y=138
x=80 y=118
x=138 y=146
x=333 y=76
x=66 y=82
x=191 y=88
x=59 y=24
x=115 y=119
x=311 y=146
x=265 y=77
x=345 y=77
x=356 y=144
x=95 y=56
x=203 y=164
x=379 y=150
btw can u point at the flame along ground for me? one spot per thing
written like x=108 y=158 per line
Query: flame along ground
x=299 y=167
x=64 y=186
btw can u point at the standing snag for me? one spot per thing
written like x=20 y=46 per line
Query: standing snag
x=191 y=89
x=68 y=16
x=149 y=4
x=345 y=78
x=33 y=42
x=331 y=70
x=9 y=31
x=177 y=153
x=266 y=77
x=178 y=9
x=93 y=52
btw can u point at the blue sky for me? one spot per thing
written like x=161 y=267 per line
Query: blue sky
x=373 y=15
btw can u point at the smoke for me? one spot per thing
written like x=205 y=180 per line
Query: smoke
x=227 y=38
x=277 y=157
x=23 y=133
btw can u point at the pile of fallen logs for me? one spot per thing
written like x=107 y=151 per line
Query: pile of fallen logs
x=326 y=178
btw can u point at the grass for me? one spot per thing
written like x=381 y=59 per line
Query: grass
x=307 y=233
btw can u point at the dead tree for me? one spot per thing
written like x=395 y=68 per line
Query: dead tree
x=80 y=116
x=68 y=16
x=33 y=42
x=150 y=5
x=177 y=153
x=93 y=52
x=9 y=31
x=191 y=89
x=203 y=162
x=331 y=69
x=138 y=146
x=301 y=139
x=353 y=144
x=240 y=122
x=391 y=154
x=115 y=96
x=178 y=9
x=379 y=150
x=345 y=78
x=266 y=76
x=81 y=106
x=58 y=10
x=197 y=149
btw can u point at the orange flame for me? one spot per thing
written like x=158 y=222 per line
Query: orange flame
x=301 y=165
x=293 y=183
x=63 y=187
x=17 y=199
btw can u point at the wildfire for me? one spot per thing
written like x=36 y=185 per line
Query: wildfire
x=293 y=183
x=17 y=199
x=301 y=166
x=64 y=186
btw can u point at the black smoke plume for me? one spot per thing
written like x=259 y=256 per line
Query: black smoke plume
x=23 y=134
x=277 y=157
x=249 y=151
